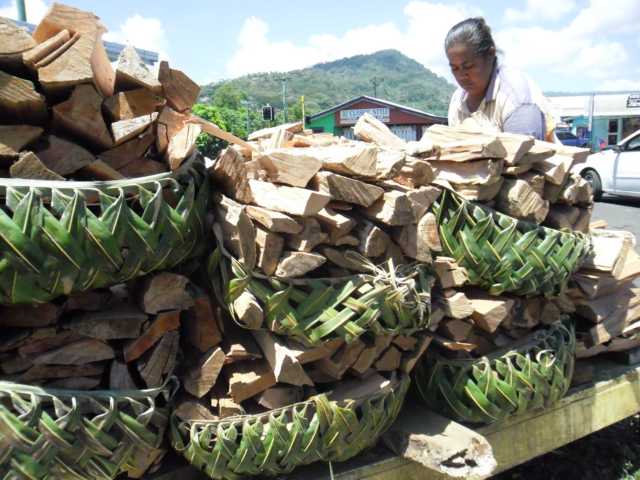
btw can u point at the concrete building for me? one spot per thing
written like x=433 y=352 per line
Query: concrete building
x=603 y=117
x=406 y=122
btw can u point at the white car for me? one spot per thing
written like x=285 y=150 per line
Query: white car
x=615 y=170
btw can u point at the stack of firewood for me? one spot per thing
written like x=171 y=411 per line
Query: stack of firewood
x=67 y=114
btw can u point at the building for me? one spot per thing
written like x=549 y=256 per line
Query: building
x=603 y=118
x=406 y=122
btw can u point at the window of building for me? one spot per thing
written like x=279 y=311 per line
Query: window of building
x=630 y=125
x=612 y=137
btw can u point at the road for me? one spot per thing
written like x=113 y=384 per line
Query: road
x=619 y=213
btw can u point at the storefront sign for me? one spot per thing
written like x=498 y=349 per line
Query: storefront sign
x=351 y=116
x=633 y=101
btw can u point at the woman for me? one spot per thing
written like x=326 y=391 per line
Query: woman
x=491 y=94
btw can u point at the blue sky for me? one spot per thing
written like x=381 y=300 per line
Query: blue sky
x=567 y=45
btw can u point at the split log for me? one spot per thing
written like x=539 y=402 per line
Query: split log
x=99 y=170
x=582 y=223
x=143 y=168
x=227 y=407
x=597 y=224
x=37 y=342
x=201 y=378
x=165 y=291
x=309 y=238
x=55 y=53
x=81 y=352
x=346 y=189
x=169 y=124
x=20 y=101
x=390 y=360
x=132 y=104
x=422 y=198
x=292 y=200
x=182 y=145
x=232 y=174
x=394 y=209
x=409 y=361
x=130 y=128
x=283 y=361
x=116 y=322
x=298 y=264
x=555 y=169
x=180 y=91
x=31 y=315
x=270 y=246
x=131 y=72
x=354 y=159
x=239 y=231
x=449 y=273
x=30 y=166
x=517 y=199
x=311 y=354
x=415 y=173
x=370 y=129
x=597 y=310
x=248 y=311
x=346 y=240
x=336 y=366
x=131 y=152
x=337 y=224
x=609 y=252
x=294 y=127
x=44 y=50
x=290 y=166
x=489 y=311
x=274 y=221
x=62 y=156
x=278 y=397
x=13 y=138
x=373 y=240
x=389 y=163
x=476 y=172
x=247 y=379
x=120 y=378
x=238 y=344
x=562 y=216
x=615 y=324
x=187 y=410
x=201 y=324
x=535 y=181
x=479 y=193
x=163 y=323
x=456 y=304
x=456 y=330
x=161 y=361
x=13 y=42
x=15 y=364
x=474 y=148
x=50 y=372
x=413 y=240
x=341 y=258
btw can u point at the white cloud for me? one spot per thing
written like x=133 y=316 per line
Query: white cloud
x=141 y=32
x=36 y=9
x=620 y=84
x=540 y=10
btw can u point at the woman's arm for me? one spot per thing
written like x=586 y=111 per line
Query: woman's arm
x=527 y=119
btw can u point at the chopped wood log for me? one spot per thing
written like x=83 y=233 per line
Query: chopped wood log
x=272 y=220
x=413 y=241
x=232 y=174
x=270 y=246
x=452 y=345
x=189 y=410
x=562 y=216
x=200 y=379
x=131 y=72
x=390 y=360
x=346 y=189
x=278 y=397
x=247 y=379
x=290 y=166
x=555 y=169
x=295 y=127
x=582 y=223
x=370 y=129
x=354 y=159
x=132 y=104
x=161 y=361
x=292 y=200
x=536 y=182
x=298 y=264
x=405 y=342
x=20 y=101
x=337 y=224
x=43 y=50
x=81 y=115
x=15 y=364
x=609 y=252
x=30 y=166
x=120 y=378
x=336 y=366
x=365 y=361
x=248 y=311
x=309 y=238
x=129 y=152
x=422 y=198
x=239 y=231
x=116 y=322
x=57 y=52
x=449 y=273
x=342 y=259
x=40 y=342
x=414 y=173
x=142 y=168
x=169 y=124
x=489 y=311
x=389 y=163
x=311 y=354
x=13 y=42
x=476 y=172
x=456 y=304
x=517 y=199
x=479 y=193
x=77 y=353
x=456 y=330
x=62 y=156
x=180 y=91
x=99 y=170
x=75 y=383
x=164 y=322
x=615 y=324
x=32 y=315
x=201 y=324
x=475 y=148
x=238 y=344
x=227 y=407
x=165 y=291
x=13 y=138
x=529 y=314
x=50 y=372
x=215 y=131
x=599 y=309
x=393 y=208
x=182 y=145
x=550 y=313
x=373 y=240
x=346 y=240
x=283 y=361
x=410 y=360
x=130 y=128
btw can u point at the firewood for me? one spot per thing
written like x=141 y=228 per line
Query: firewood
x=529 y=314
x=179 y=90
x=344 y=358
x=201 y=378
x=129 y=152
x=278 y=397
x=298 y=264
x=393 y=208
x=456 y=304
x=99 y=170
x=390 y=360
x=413 y=241
x=227 y=407
x=30 y=166
x=75 y=383
x=337 y=224
x=535 y=181
x=15 y=364
x=182 y=145
x=283 y=361
x=143 y=168
x=309 y=238
x=453 y=345
x=370 y=129
x=130 y=128
x=477 y=172
x=409 y=360
x=163 y=323
x=422 y=198
x=13 y=42
x=13 y=138
x=346 y=189
x=290 y=166
x=247 y=379
x=609 y=252
x=456 y=330
x=40 y=342
x=31 y=315
x=51 y=372
x=449 y=273
x=165 y=291
x=389 y=163
x=562 y=216
x=340 y=258
x=517 y=199
x=373 y=240
x=270 y=246
x=20 y=101
x=615 y=324
x=215 y=131
x=357 y=159
x=120 y=378
x=479 y=193
x=582 y=223
x=201 y=326
x=295 y=127
x=489 y=311
x=272 y=220
x=131 y=72
x=62 y=156
x=169 y=123
x=292 y=200
x=13 y=338
x=132 y=104
x=311 y=354
x=189 y=410
x=405 y=342
x=238 y=344
x=466 y=150
x=161 y=360
x=116 y=322
x=248 y=311
x=57 y=52
x=555 y=169
x=415 y=173
x=238 y=230
x=81 y=115
x=598 y=309
x=77 y=353
x=365 y=360
x=346 y=240
x=40 y=51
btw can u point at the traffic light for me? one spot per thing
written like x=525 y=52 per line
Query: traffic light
x=268 y=113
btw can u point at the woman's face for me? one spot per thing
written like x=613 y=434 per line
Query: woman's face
x=472 y=72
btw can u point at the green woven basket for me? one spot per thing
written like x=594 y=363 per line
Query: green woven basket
x=61 y=237
x=276 y=442
x=534 y=374
x=53 y=434
x=502 y=254
x=389 y=301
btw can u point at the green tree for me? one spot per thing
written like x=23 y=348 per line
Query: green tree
x=228 y=96
x=208 y=145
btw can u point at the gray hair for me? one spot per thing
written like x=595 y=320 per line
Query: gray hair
x=473 y=32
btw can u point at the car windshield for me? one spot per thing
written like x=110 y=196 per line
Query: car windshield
x=566 y=135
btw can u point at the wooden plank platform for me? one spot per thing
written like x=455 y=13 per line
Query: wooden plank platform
x=613 y=396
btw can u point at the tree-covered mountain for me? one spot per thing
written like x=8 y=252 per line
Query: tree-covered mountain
x=399 y=78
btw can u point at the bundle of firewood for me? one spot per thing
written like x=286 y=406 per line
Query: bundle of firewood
x=67 y=114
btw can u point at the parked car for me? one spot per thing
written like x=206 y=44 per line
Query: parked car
x=568 y=138
x=614 y=170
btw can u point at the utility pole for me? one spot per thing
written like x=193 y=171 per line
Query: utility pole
x=22 y=11
x=376 y=81
x=247 y=104
x=284 y=96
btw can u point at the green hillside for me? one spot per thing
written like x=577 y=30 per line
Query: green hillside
x=324 y=85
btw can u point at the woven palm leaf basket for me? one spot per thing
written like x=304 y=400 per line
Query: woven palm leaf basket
x=54 y=434
x=276 y=442
x=60 y=237
x=532 y=374
x=393 y=300
x=502 y=254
